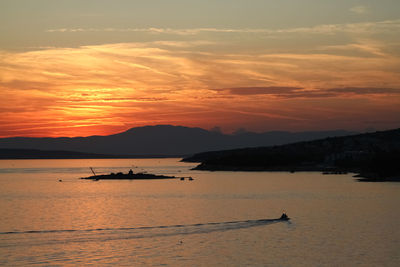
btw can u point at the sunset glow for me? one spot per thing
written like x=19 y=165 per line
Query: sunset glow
x=94 y=79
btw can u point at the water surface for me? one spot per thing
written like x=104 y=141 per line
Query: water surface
x=220 y=218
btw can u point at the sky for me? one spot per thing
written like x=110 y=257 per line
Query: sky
x=99 y=67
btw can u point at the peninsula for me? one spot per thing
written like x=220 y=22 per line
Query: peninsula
x=374 y=156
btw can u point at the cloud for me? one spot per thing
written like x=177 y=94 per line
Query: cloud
x=272 y=90
x=359 y=27
x=298 y=92
x=178 y=67
x=360 y=10
x=153 y=30
x=363 y=47
x=366 y=90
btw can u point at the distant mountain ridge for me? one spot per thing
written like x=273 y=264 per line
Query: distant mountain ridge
x=6 y=153
x=164 y=140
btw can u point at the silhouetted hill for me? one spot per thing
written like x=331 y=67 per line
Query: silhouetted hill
x=6 y=153
x=374 y=155
x=44 y=154
x=162 y=140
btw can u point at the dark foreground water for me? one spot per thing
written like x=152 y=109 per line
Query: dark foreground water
x=219 y=219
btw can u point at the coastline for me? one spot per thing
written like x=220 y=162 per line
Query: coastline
x=361 y=176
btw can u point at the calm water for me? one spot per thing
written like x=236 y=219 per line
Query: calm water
x=215 y=220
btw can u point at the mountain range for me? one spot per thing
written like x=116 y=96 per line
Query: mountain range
x=166 y=140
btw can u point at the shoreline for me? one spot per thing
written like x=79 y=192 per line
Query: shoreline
x=361 y=176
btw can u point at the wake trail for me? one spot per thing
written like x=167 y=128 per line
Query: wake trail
x=242 y=224
x=49 y=237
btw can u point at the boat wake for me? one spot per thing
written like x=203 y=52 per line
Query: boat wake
x=47 y=237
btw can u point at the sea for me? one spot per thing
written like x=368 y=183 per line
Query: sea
x=50 y=217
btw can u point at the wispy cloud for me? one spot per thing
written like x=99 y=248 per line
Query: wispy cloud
x=271 y=90
x=153 y=30
x=298 y=92
x=359 y=10
x=358 y=48
x=366 y=91
x=359 y=27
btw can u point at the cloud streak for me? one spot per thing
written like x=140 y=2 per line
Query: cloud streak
x=298 y=92
x=360 y=10
x=360 y=27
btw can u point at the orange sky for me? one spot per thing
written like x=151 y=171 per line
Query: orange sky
x=320 y=77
